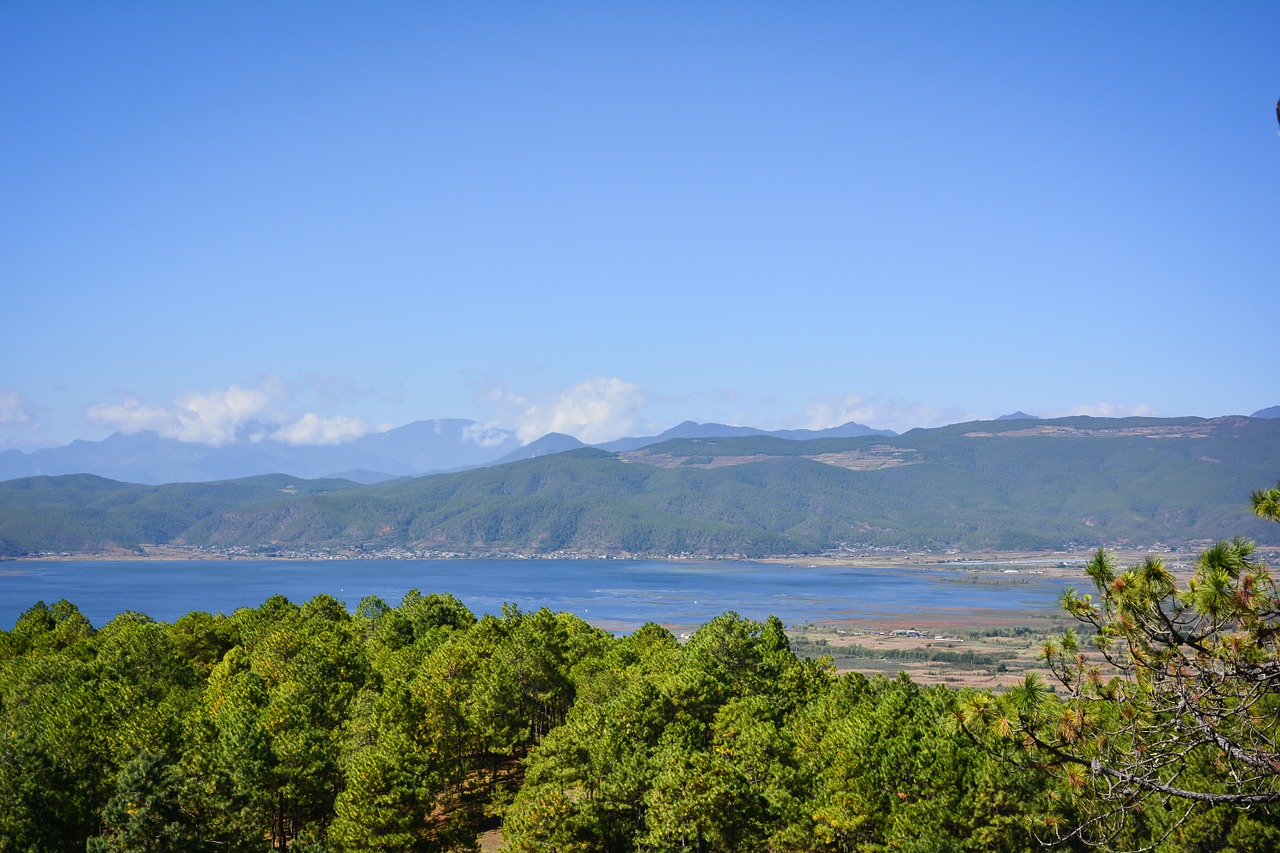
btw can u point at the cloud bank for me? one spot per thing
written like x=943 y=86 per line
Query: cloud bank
x=14 y=411
x=484 y=436
x=227 y=415
x=599 y=409
x=313 y=429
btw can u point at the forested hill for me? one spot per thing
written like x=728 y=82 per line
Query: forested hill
x=1009 y=484
x=413 y=728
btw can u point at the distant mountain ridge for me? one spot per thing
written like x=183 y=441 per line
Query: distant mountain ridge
x=1074 y=483
x=558 y=442
x=416 y=449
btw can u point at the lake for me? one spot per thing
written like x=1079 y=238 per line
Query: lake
x=618 y=595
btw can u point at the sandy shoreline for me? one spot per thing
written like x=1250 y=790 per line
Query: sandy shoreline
x=1053 y=564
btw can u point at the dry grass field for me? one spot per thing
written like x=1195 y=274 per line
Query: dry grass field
x=979 y=649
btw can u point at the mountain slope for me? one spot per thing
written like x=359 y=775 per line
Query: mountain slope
x=83 y=512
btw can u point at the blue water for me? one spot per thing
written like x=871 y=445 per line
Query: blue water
x=618 y=595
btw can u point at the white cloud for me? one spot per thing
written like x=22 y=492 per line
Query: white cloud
x=878 y=412
x=593 y=411
x=14 y=410
x=230 y=414
x=213 y=418
x=1109 y=410
x=130 y=416
x=313 y=429
x=482 y=436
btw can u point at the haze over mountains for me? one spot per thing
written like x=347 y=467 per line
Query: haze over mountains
x=422 y=447
x=418 y=448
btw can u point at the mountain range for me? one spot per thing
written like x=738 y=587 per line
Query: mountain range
x=1023 y=483
x=422 y=447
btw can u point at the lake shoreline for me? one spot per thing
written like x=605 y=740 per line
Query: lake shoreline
x=683 y=593
x=889 y=617
x=1067 y=564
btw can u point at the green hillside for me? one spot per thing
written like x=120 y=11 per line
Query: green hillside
x=1078 y=482
x=81 y=512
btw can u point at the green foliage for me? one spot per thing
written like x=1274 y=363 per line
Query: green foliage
x=81 y=512
x=145 y=815
x=732 y=743
x=411 y=727
x=1266 y=503
x=1170 y=717
x=55 y=762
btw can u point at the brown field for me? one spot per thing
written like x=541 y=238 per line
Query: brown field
x=1008 y=647
x=1006 y=644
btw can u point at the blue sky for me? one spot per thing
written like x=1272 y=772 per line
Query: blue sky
x=303 y=221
